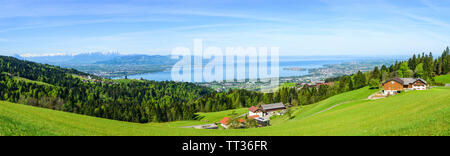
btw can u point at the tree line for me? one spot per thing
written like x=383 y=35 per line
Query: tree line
x=133 y=100
x=424 y=66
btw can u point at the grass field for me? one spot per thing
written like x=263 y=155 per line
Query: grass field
x=410 y=113
x=217 y=116
x=27 y=80
x=443 y=79
x=31 y=81
x=288 y=85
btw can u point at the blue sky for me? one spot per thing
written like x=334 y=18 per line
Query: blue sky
x=298 y=27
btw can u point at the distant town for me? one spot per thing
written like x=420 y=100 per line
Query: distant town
x=315 y=76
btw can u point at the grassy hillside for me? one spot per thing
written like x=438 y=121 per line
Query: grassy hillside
x=443 y=79
x=410 y=113
x=217 y=116
x=31 y=81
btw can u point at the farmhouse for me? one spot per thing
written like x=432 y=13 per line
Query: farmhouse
x=265 y=110
x=253 y=111
x=270 y=109
x=225 y=121
x=397 y=85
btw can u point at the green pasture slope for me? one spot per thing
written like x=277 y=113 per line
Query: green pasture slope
x=410 y=113
x=445 y=79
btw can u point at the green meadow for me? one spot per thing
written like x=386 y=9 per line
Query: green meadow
x=31 y=81
x=409 y=113
x=443 y=79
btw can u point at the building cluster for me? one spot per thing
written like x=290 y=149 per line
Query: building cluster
x=90 y=79
x=260 y=114
x=314 y=84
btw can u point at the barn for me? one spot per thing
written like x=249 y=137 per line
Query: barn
x=270 y=109
x=266 y=109
x=397 y=85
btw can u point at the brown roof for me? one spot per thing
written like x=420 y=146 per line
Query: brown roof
x=252 y=117
x=419 y=79
x=253 y=109
x=405 y=81
x=273 y=106
x=394 y=79
x=225 y=120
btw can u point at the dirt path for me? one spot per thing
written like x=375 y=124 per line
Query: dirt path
x=375 y=96
x=329 y=108
x=208 y=125
x=199 y=126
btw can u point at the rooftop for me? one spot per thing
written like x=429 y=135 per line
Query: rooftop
x=261 y=119
x=253 y=116
x=406 y=81
x=225 y=120
x=253 y=109
x=273 y=106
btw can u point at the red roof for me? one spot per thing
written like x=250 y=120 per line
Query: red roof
x=225 y=120
x=253 y=109
x=241 y=120
x=252 y=117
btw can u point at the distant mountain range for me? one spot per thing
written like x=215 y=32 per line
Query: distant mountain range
x=106 y=64
x=85 y=58
x=101 y=58
x=140 y=60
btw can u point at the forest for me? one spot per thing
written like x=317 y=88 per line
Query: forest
x=145 y=101
x=134 y=101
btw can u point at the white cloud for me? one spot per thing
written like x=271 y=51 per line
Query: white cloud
x=26 y=55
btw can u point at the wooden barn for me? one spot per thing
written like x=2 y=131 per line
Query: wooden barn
x=397 y=85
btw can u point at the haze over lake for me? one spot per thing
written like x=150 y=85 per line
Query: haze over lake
x=285 y=63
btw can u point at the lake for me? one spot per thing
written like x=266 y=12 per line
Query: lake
x=303 y=62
